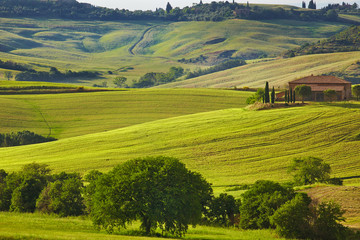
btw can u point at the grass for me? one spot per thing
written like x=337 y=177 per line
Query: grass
x=277 y=72
x=229 y=147
x=36 y=226
x=70 y=115
x=104 y=46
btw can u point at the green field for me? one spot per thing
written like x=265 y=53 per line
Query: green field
x=69 y=115
x=229 y=146
x=104 y=46
x=277 y=72
x=38 y=227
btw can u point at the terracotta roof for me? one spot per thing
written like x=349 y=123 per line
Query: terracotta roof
x=319 y=79
x=323 y=88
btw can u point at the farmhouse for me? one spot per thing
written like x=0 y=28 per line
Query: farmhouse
x=319 y=84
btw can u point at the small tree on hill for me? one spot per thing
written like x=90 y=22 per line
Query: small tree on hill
x=120 y=81
x=303 y=92
x=330 y=95
x=8 y=75
x=303 y=4
x=356 y=91
x=309 y=170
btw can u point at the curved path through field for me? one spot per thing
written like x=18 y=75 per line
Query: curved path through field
x=141 y=38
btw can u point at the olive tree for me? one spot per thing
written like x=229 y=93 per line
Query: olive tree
x=158 y=191
x=8 y=75
x=303 y=92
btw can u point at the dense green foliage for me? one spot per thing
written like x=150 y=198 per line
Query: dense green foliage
x=158 y=191
x=33 y=188
x=356 y=91
x=22 y=138
x=292 y=218
x=330 y=95
x=309 y=170
x=257 y=97
x=260 y=202
x=13 y=66
x=154 y=79
x=220 y=67
x=303 y=91
x=223 y=210
x=54 y=75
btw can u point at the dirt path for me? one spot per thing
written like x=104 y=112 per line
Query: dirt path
x=141 y=38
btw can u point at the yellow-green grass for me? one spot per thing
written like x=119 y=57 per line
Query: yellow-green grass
x=69 y=115
x=36 y=226
x=347 y=196
x=104 y=46
x=354 y=18
x=10 y=84
x=229 y=147
x=277 y=72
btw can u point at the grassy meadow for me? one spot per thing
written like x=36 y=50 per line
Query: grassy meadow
x=69 y=115
x=104 y=46
x=37 y=226
x=229 y=147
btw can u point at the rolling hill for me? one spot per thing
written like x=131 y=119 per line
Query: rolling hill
x=277 y=72
x=229 y=147
x=155 y=46
x=69 y=115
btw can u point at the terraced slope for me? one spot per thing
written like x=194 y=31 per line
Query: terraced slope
x=232 y=146
x=278 y=72
x=69 y=115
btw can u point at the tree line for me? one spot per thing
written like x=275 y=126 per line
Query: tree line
x=54 y=75
x=163 y=194
x=22 y=138
x=214 y=11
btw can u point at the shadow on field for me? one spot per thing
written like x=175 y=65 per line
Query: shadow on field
x=342 y=104
x=351 y=177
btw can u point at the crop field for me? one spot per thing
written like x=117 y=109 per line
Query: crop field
x=277 y=72
x=156 y=46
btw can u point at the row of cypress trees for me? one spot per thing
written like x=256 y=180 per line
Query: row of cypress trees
x=270 y=98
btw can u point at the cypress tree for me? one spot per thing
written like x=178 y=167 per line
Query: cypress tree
x=273 y=95
x=291 y=93
x=267 y=96
x=294 y=97
x=168 y=7
x=285 y=96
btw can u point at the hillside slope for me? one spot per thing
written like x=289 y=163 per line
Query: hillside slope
x=104 y=46
x=277 y=72
x=228 y=147
x=69 y=115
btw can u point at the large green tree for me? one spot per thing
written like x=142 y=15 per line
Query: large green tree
x=303 y=92
x=158 y=191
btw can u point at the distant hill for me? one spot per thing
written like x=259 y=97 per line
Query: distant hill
x=345 y=41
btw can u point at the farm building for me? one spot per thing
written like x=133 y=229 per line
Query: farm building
x=319 y=84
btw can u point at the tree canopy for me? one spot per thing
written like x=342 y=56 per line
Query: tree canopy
x=303 y=91
x=158 y=191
